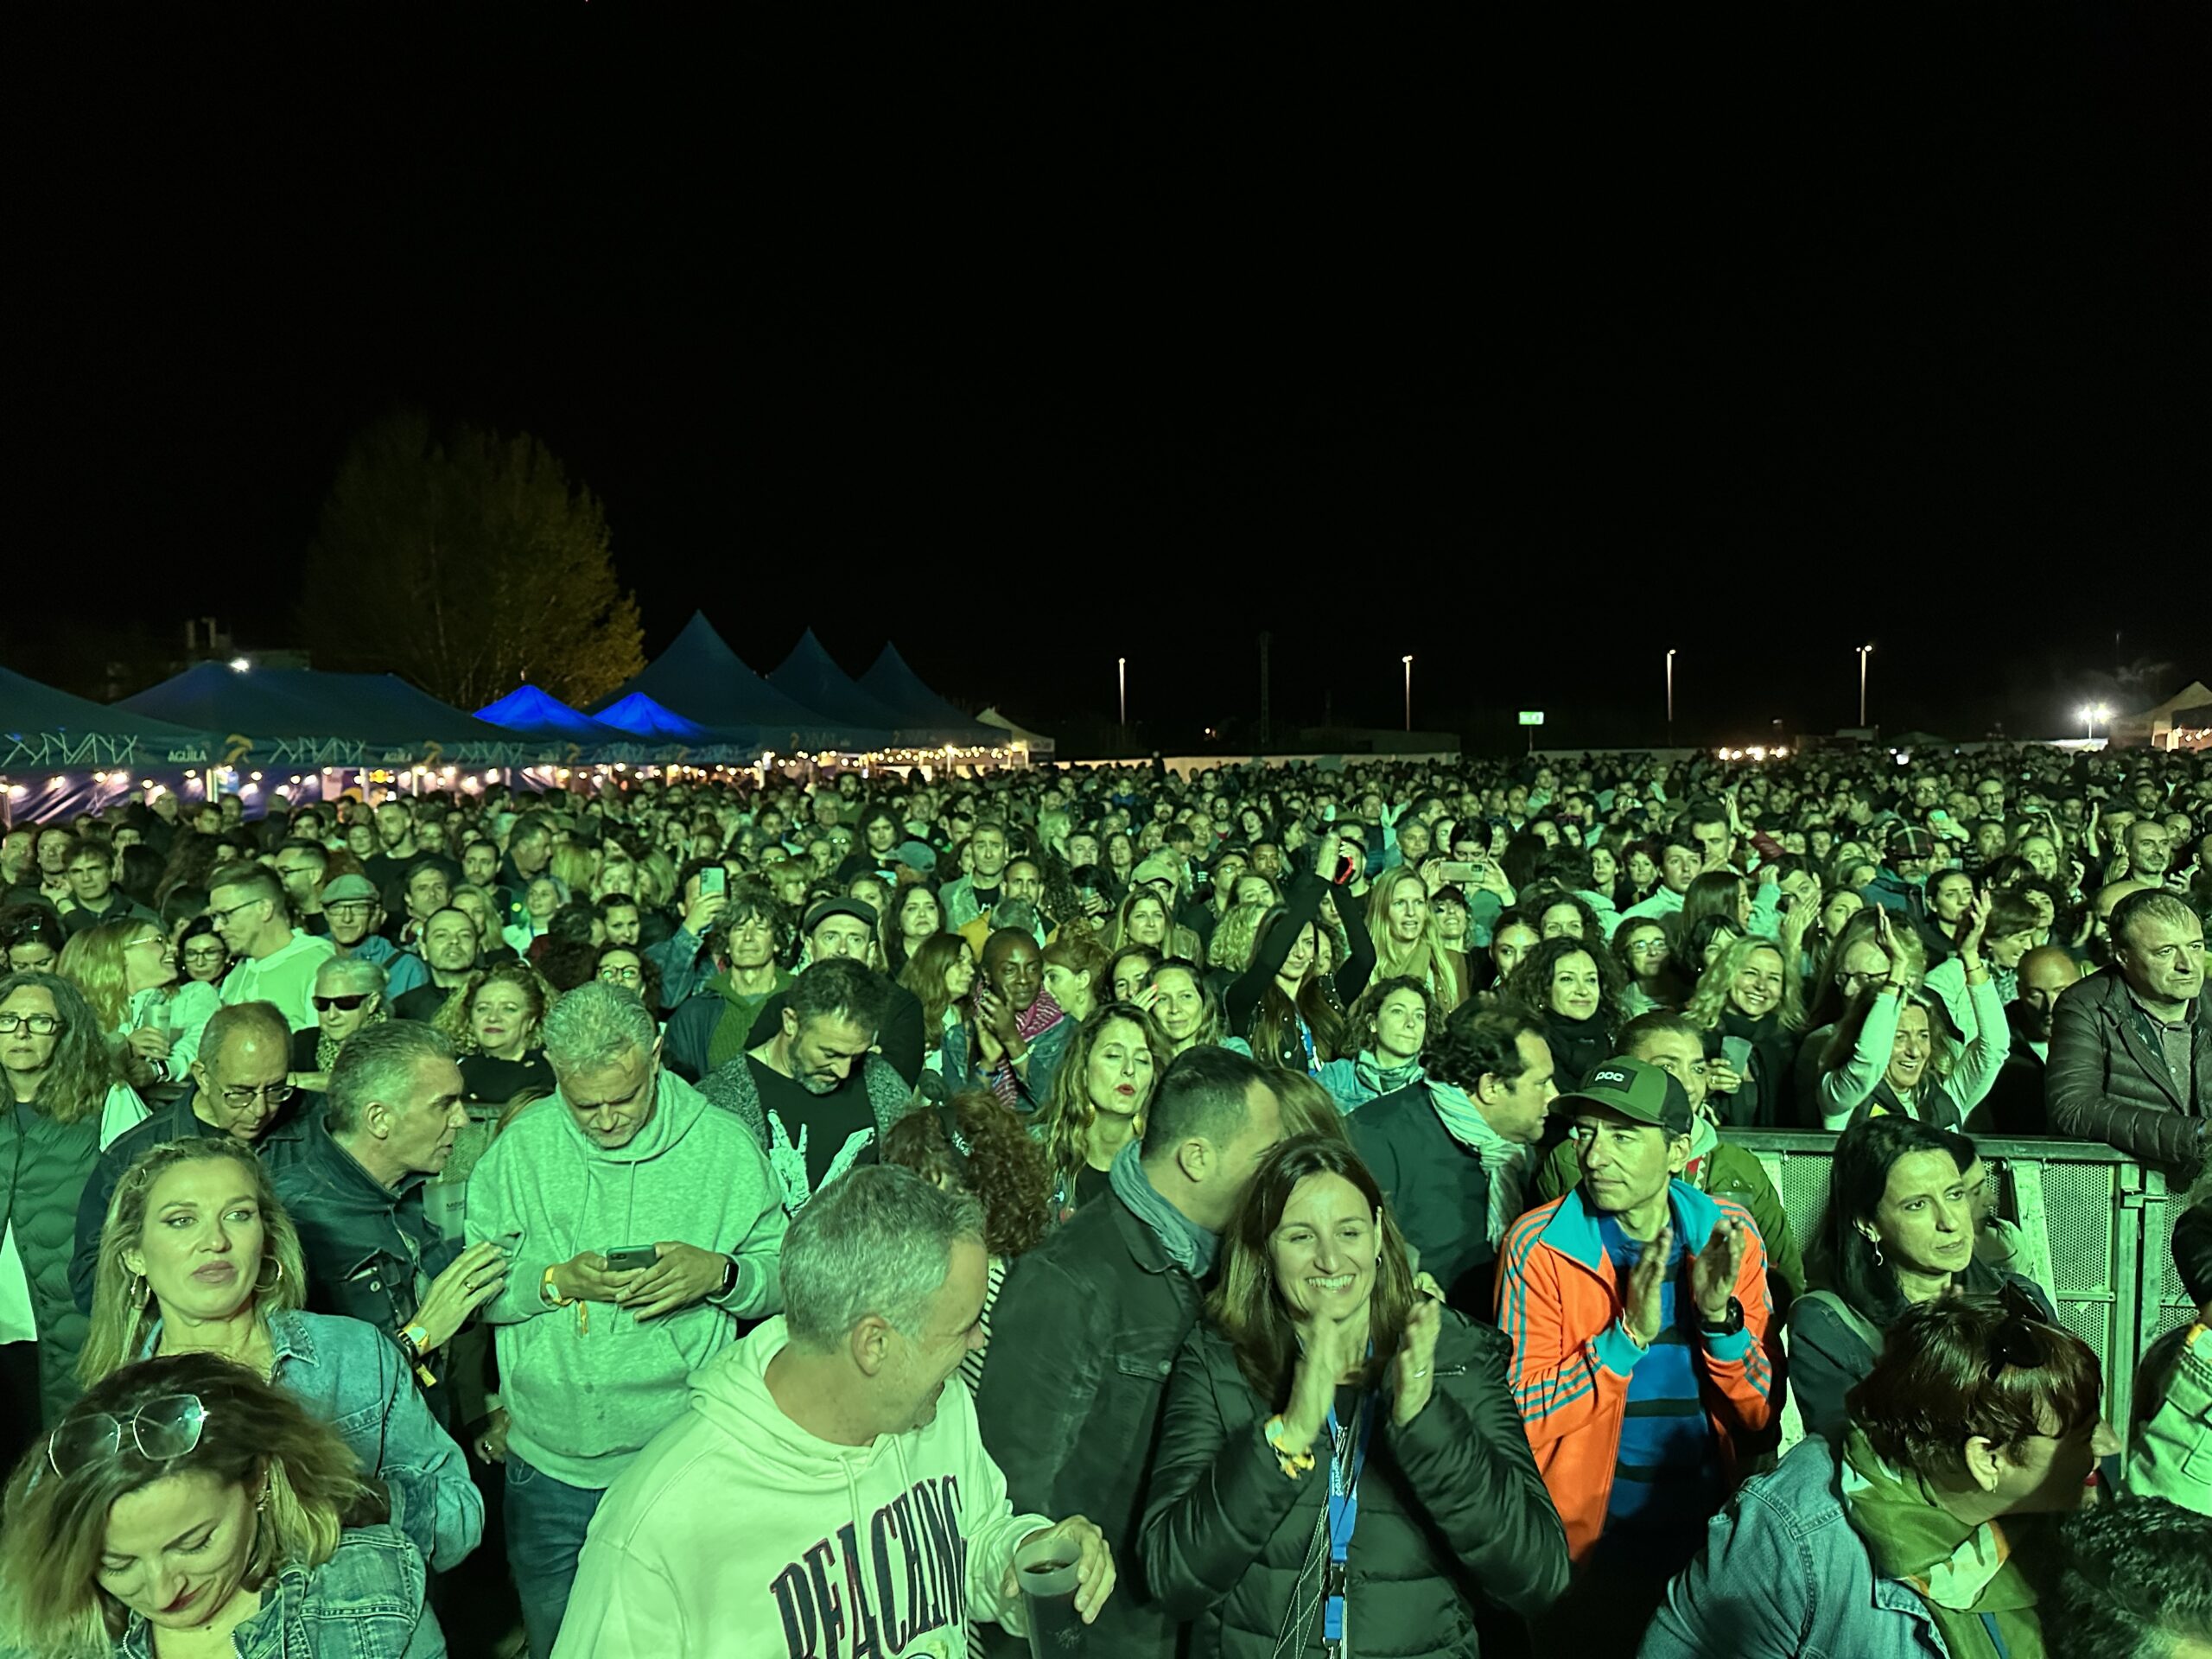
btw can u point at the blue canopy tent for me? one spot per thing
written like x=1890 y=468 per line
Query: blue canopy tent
x=812 y=677
x=43 y=731
x=302 y=716
x=702 y=679
x=530 y=712
x=890 y=682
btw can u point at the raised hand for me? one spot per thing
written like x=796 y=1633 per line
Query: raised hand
x=1647 y=1280
x=1713 y=1269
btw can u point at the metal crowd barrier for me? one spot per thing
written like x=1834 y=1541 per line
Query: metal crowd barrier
x=2096 y=1222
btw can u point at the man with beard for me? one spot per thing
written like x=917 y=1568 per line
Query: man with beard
x=815 y=1095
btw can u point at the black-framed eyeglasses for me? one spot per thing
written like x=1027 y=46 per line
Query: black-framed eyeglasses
x=205 y=958
x=273 y=1094
x=39 y=1025
x=167 y=1427
x=218 y=917
x=345 y=1004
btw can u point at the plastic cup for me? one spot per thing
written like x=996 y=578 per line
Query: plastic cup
x=1045 y=1569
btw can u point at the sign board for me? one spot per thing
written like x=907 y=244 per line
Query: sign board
x=1532 y=716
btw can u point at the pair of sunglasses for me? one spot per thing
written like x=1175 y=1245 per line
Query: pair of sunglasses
x=345 y=1004
x=168 y=1426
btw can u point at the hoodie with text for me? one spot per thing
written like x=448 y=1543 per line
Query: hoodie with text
x=738 y=1535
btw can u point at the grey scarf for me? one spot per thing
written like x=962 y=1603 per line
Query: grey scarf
x=1189 y=1246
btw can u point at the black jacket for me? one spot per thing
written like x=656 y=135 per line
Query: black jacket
x=1438 y=1190
x=2108 y=1081
x=1083 y=1336
x=1451 y=1511
x=280 y=1145
x=365 y=1243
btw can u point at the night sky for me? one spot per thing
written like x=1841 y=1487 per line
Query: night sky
x=1532 y=353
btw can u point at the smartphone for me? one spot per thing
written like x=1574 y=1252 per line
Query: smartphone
x=713 y=879
x=632 y=1258
x=1453 y=870
x=1344 y=871
x=1329 y=813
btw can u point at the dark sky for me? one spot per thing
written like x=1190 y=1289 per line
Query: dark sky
x=1530 y=353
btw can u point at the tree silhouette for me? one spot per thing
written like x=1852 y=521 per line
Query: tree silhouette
x=467 y=562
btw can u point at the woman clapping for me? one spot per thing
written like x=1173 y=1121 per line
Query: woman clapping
x=1340 y=1458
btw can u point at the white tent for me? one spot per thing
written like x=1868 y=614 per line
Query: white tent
x=2156 y=725
x=1039 y=746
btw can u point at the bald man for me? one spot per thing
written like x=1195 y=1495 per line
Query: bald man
x=2015 y=1103
x=2108 y=896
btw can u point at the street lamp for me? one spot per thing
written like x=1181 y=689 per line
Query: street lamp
x=1670 y=696
x=1865 y=651
x=2091 y=713
x=1408 y=661
x=1121 y=675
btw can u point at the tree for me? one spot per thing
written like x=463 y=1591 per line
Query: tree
x=466 y=564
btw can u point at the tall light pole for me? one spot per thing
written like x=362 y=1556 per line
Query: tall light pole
x=1670 y=696
x=1122 y=677
x=2092 y=714
x=1408 y=662
x=1865 y=651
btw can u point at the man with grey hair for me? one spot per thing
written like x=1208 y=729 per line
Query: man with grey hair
x=874 y=1519
x=642 y=1224
x=2130 y=1049
x=388 y=1124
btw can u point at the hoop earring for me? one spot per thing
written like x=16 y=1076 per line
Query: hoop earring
x=145 y=1290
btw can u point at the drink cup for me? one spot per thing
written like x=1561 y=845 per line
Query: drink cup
x=1045 y=1569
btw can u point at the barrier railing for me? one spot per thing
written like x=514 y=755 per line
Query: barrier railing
x=2094 y=1229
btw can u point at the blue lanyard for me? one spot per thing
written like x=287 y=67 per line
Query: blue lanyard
x=1305 y=1036
x=1344 y=1515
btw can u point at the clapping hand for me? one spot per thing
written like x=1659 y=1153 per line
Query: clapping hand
x=1647 y=1281
x=1713 y=1269
x=1972 y=925
x=1412 y=1373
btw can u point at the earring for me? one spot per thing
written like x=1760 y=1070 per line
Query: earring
x=1877 y=1252
x=261 y=1502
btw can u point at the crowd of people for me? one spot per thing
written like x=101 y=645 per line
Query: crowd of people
x=1283 y=1210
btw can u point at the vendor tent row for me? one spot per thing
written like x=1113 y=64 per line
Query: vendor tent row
x=698 y=702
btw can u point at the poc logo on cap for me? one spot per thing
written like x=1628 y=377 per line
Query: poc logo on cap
x=1609 y=1075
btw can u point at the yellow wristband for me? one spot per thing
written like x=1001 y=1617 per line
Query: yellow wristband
x=1292 y=1465
x=549 y=1293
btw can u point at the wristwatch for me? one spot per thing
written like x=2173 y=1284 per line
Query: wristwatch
x=729 y=1275
x=1731 y=1322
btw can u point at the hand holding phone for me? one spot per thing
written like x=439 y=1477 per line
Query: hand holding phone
x=632 y=1258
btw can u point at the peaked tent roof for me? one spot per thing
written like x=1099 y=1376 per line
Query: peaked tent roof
x=304 y=711
x=811 y=675
x=42 y=727
x=641 y=716
x=536 y=712
x=891 y=683
x=701 y=679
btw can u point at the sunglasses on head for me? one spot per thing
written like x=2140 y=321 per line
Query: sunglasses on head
x=345 y=1004
x=168 y=1426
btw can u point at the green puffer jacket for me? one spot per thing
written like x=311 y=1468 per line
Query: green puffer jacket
x=1727 y=1172
x=46 y=1166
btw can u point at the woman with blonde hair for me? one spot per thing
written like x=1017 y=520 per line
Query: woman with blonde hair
x=128 y=971
x=1231 y=951
x=199 y=1257
x=1099 y=1098
x=496 y=1026
x=1406 y=943
x=1752 y=1010
x=237 y=1518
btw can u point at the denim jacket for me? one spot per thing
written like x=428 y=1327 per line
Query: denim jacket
x=1783 y=1576
x=365 y=1602
x=351 y=1377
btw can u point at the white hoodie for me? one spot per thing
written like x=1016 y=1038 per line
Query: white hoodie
x=737 y=1535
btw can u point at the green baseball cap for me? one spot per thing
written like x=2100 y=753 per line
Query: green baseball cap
x=1639 y=1092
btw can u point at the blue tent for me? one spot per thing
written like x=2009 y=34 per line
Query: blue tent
x=536 y=713
x=641 y=716
x=304 y=716
x=891 y=683
x=702 y=679
x=41 y=728
x=811 y=677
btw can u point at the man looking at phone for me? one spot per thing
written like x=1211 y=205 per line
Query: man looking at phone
x=814 y=1094
x=594 y=1342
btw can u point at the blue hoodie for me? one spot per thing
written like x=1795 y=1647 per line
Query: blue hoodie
x=587 y=1385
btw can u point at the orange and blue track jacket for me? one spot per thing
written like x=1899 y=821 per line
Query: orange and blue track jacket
x=1558 y=1302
